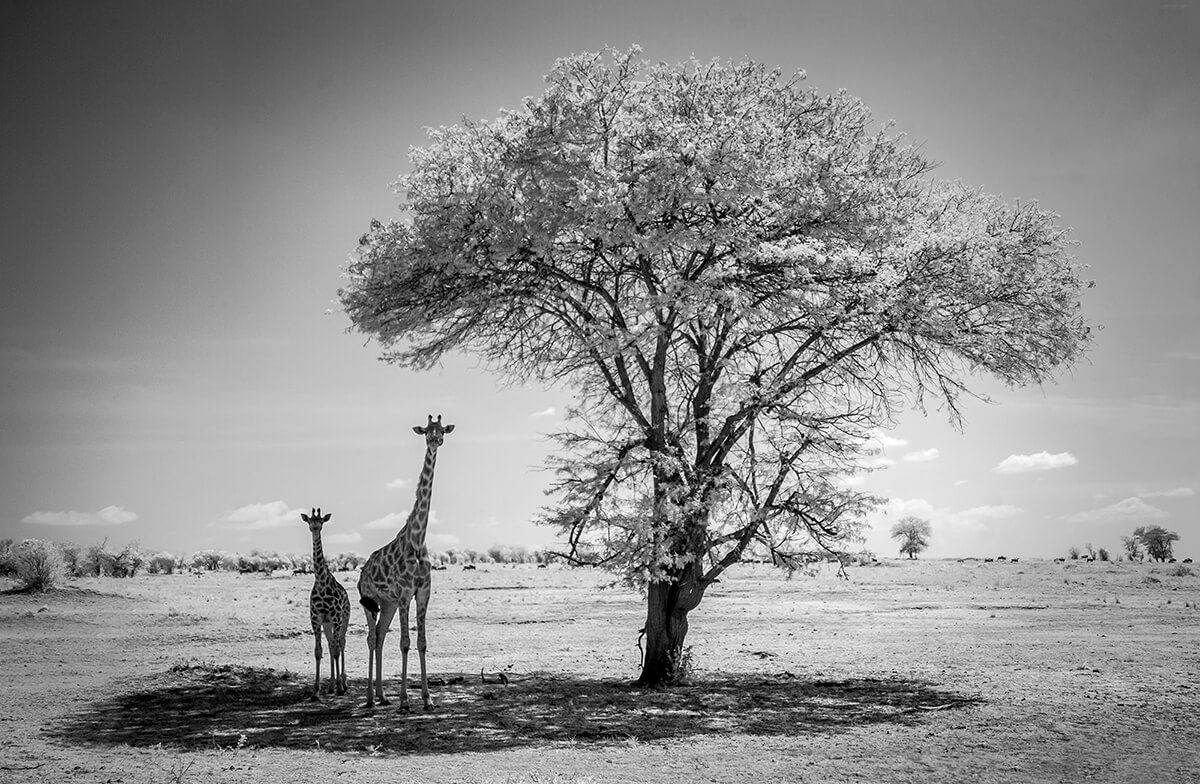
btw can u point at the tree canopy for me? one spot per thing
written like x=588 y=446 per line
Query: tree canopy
x=913 y=534
x=1158 y=541
x=740 y=277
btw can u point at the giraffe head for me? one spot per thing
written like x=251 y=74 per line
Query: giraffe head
x=434 y=432
x=315 y=521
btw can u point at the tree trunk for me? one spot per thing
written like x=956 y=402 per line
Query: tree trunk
x=667 y=608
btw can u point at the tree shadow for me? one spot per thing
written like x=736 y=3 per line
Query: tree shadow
x=209 y=706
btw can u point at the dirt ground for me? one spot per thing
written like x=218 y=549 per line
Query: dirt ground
x=909 y=672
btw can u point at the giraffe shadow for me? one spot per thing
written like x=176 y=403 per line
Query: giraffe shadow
x=195 y=707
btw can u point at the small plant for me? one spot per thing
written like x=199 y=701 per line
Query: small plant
x=38 y=564
x=1181 y=571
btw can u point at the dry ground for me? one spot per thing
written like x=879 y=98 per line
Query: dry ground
x=922 y=672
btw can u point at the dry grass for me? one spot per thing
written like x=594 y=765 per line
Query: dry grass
x=926 y=671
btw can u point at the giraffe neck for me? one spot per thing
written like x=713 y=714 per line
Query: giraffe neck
x=418 y=521
x=319 y=565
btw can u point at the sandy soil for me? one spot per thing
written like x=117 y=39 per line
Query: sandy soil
x=921 y=672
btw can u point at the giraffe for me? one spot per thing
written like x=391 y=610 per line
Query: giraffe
x=329 y=610
x=397 y=573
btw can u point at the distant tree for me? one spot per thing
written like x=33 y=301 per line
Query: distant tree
x=1073 y=553
x=1157 y=541
x=206 y=560
x=913 y=534
x=1091 y=551
x=740 y=279
x=1133 y=548
x=162 y=563
x=1102 y=554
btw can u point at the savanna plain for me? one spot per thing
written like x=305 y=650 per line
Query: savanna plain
x=922 y=671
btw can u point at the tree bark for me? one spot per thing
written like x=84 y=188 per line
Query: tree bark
x=667 y=608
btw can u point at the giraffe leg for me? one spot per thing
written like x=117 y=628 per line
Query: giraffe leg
x=372 y=625
x=316 y=694
x=331 y=638
x=340 y=656
x=422 y=606
x=404 y=644
x=386 y=614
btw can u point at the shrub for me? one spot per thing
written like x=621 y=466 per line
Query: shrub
x=1102 y=554
x=7 y=564
x=162 y=563
x=1181 y=571
x=38 y=564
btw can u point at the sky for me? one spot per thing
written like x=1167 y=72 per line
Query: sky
x=181 y=184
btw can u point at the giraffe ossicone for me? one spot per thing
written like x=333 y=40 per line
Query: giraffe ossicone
x=328 y=609
x=396 y=574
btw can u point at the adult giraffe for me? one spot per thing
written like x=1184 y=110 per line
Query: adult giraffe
x=397 y=573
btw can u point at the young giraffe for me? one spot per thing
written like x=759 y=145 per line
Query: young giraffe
x=329 y=610
x=395 y=574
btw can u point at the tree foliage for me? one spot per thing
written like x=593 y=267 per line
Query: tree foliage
x=739 y=277
x=1156 y=540
x=913 y=534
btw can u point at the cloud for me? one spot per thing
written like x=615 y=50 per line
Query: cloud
x=350 y=538
x=884 y=440
x=256 y=517
x=391 y=520
x=397 y=520
x=960 y=483
x=549 y=412
x=1128 y=509
x=877 y=461
x=922 y=456
x=977 y=518
x=1042 y=461
x=109 y=515
x=1178 y=492
x=397 y=484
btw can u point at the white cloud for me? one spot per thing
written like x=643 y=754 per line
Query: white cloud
x=960 y=483
x=1178 y=492
x=397 y=484
x=109 y=515
x=922 y=455
x=549 y=412
x=977 y=517
x=391 y=520
x=350 y=538
x=1133 y=509
x=852 y=480
x=877 y=461
x=397 y=520
x=1042 y=461
x=255 y=517
x=884 y=440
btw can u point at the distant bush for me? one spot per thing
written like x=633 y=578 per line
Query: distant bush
x=38 y=564
x=1181 y=571
x=1073 y=553
x=1102 y=554
x=162 y=563
x=7 y=565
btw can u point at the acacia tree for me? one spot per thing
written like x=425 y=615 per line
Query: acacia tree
x=739 y=277
x=1157 y=541
x=913 y=534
